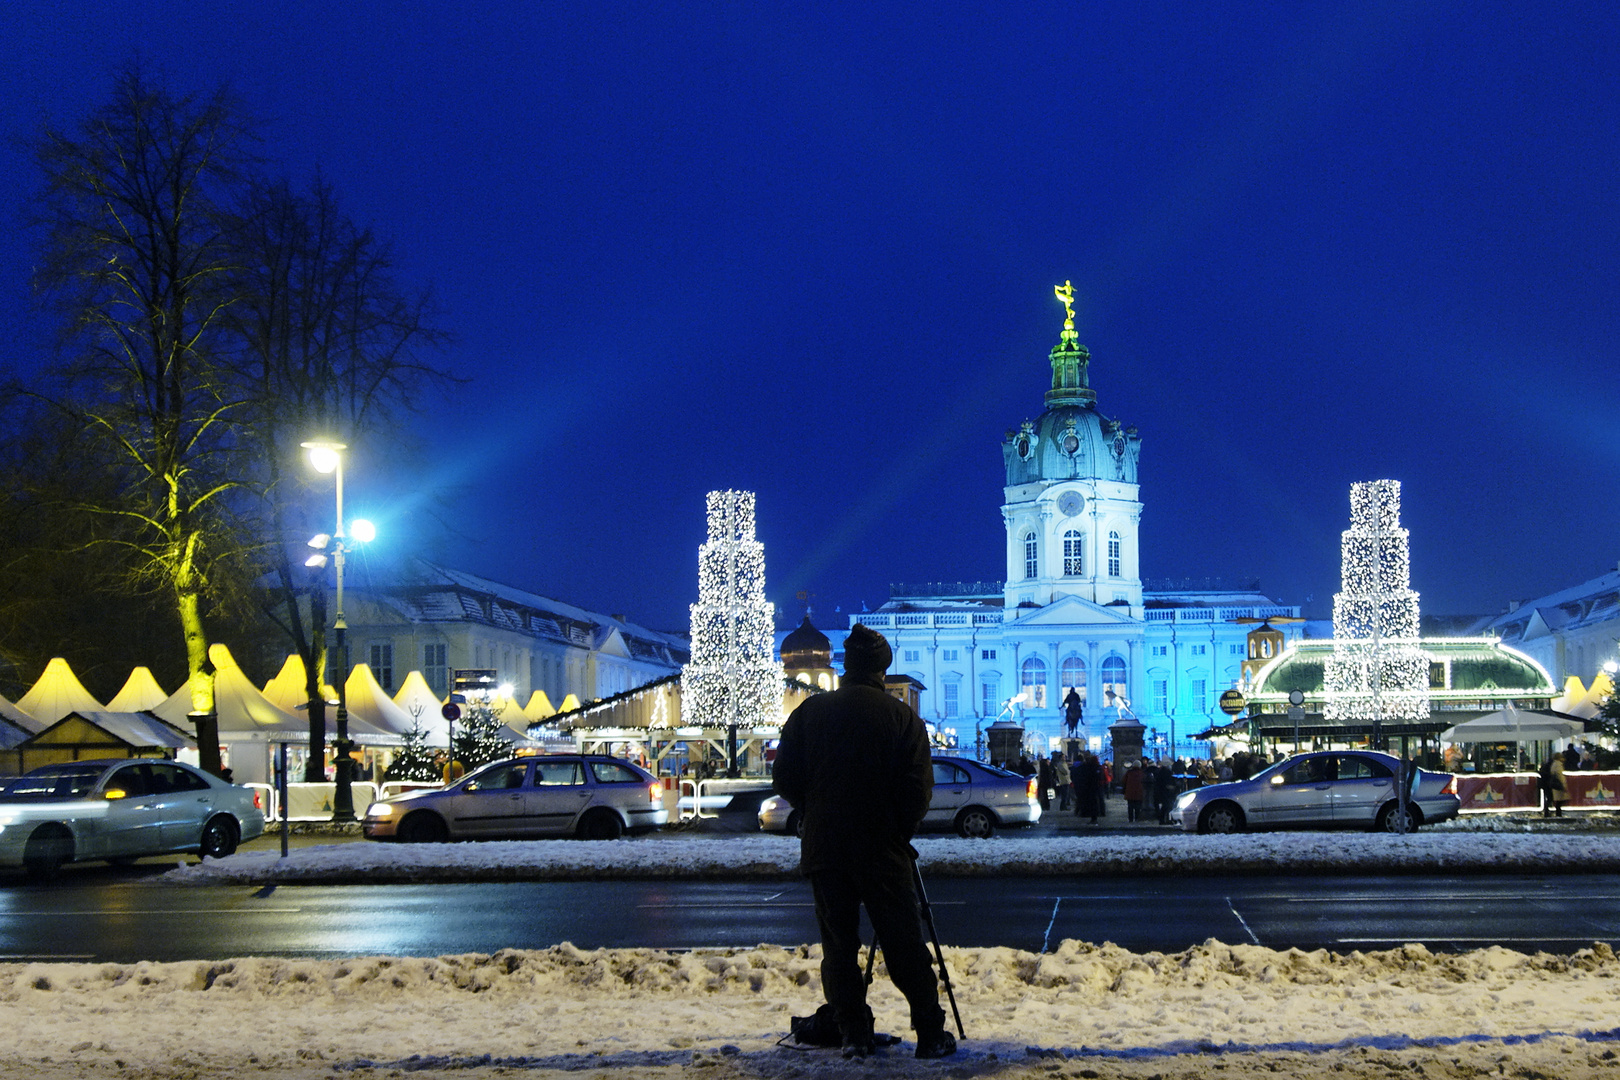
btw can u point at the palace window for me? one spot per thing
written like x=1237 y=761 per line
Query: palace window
x=434 y=669
x=990 y=698
x=1198 y=695
x=987 y=654
x=1113 y=554
x=382 y=665
x=953 y=691
x=1032 y=555
x=1033 y=682
x=1113 y=678
x=1074 y=554
x=1072 y=674
x=1161 y=696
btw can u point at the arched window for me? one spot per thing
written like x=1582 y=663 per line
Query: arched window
x=1113 y=678
x=1072 y=676
x=1032 y=555
x=1113 y=554
x=1032 y=680
x=1074 y=554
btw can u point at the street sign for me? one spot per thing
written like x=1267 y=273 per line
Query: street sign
x=451 y=711
x=1233 y=702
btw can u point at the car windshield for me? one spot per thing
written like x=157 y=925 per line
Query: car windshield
x=54 y=782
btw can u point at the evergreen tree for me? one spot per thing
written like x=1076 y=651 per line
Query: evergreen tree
x=477 y=740
x=414 y=760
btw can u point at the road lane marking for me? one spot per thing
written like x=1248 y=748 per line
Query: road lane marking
x=1046 y=941
x=48 y=956
x=158 y=911
x=1441 y=937
x=1242 y=921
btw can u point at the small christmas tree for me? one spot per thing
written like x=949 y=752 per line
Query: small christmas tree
x=477 y=740
x=414 y=760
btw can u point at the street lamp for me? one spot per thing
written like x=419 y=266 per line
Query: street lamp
x=327 y=457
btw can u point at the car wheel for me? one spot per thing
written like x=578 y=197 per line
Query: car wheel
x=1389 y=818
x=601 y=824
x=218 y=838
x=1222 y=817
x=976 y=823
x=795 y=824
x=47 y=850
x=423 y=828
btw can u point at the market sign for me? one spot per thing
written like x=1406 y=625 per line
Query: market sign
x=1233 y=702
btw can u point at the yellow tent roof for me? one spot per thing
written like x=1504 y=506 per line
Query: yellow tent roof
x=57 y=693
x=139 y=693
x=539 y=707
x=287 y=689
x=367 y=699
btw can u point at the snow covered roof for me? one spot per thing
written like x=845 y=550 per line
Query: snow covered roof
x=1594 y=601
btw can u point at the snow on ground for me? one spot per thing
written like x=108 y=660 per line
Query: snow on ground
x=758 y=856
x=1083 y=1010
x=1080 y=1011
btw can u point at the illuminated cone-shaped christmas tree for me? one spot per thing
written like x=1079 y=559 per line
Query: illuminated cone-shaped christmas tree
x=1378 y=670
x=733 y=677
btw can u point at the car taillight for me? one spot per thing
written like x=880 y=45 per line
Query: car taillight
x=257 y=805
x=655 y=792
x=1451 y=786
x=1029 y=788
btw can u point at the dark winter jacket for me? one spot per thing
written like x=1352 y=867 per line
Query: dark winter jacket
x=856 y=764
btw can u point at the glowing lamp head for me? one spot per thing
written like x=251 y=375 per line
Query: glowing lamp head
x=362 y=530
x=324 y=455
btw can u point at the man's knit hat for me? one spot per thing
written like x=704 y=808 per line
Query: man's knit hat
x=866 y=652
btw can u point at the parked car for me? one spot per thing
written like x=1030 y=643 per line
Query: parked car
x=971 y=797
x=1330 y=788
x=120 y=809
x=590 y=796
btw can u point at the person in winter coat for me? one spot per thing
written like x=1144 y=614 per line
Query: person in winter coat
x=1087 y=787
x=1044 y=781
x=1061 y=779
x=856 y=764
x=1557 y=787
x=1133 y=791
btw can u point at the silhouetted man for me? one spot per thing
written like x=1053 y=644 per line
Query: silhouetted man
x=856 y=764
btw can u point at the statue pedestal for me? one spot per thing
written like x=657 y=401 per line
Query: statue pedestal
x=1004 y=741
x=1127 y=735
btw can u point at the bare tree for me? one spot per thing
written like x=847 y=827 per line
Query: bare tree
x=137 y=261
x=329 y=347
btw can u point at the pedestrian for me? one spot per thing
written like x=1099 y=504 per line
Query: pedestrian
x=1557 y=786
x=856 y=764
x=1133 y=791
x=1061 y=779
x=1088 y=787
x=1164 y=792
x=1044 y=782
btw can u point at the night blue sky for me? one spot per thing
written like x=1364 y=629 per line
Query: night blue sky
x=809 y=250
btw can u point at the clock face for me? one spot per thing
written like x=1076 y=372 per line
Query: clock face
x=1070 y=503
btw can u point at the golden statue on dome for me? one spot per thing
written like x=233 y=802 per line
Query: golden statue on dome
x=1065 y=293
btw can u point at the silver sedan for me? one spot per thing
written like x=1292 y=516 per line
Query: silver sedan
x=120 y=809
x=585 y=795
x=1330 y=788
x=970 y=797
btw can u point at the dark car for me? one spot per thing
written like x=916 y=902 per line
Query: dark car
x=1329 y=788
x=971 y=797
x=590 y=796
x=120 y=809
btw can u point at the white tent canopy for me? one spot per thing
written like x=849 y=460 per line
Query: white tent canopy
x=422 y=705
x=57 y=693
x=1514 y=725
x=140 y=693
x=367 y=700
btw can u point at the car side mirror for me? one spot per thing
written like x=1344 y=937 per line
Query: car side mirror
x=114 y=793
x=471 y=785
x=1277 y=780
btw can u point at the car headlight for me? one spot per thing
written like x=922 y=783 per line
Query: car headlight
x=1185 y=799
x=380 y=810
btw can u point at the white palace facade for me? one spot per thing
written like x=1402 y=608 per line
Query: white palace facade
x=1074 y=612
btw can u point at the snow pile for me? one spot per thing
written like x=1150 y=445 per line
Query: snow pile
x=768 y=857
x=1082 y=1010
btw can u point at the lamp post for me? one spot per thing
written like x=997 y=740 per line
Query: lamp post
x=328 y=457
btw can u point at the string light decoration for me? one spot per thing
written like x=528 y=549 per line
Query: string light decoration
x=733 y=677
x=1377 y=670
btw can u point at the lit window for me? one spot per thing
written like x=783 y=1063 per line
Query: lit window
x=1113 y=678
x=1113 y=554
x=1072 y=676
x=1074 y=554
x=1032 y=555
x=1033 y=682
